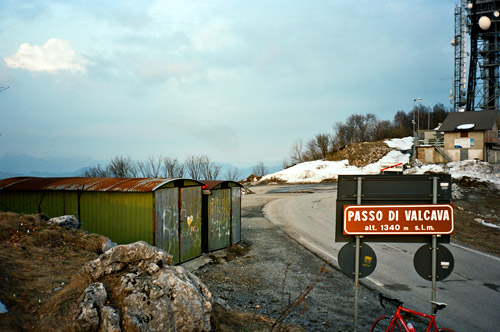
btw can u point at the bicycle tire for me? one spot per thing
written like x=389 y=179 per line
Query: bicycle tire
x=382 y=323
x=445 y=330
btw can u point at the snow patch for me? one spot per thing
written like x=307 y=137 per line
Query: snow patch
x=401 y=144
x=489 y=224
x=478 y=170
x=320 y=170
x=466 y=126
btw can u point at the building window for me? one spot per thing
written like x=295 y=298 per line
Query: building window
x=464 y=134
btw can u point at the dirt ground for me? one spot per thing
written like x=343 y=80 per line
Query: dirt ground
x=257 y=281
x=253 y=281
x=476 y=202
x=37 y=262
x=276 y=271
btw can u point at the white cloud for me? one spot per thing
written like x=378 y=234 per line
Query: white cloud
x=55 y=55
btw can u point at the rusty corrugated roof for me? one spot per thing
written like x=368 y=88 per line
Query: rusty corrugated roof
x=219 y=184
x=85 y=184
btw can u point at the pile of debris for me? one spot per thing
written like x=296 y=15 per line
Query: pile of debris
x=361 y=154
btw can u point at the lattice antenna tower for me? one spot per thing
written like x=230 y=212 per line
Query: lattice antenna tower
x=459 y=42
x=483 y=88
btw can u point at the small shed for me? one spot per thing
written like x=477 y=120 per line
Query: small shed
x=163 y=212
x=472 y=135
x=221 y=216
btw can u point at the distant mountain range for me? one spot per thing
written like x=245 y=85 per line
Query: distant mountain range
x=12 y=165
x=26 y=165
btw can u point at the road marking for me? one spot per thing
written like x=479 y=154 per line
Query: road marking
x=378 y=283
x=476 y=251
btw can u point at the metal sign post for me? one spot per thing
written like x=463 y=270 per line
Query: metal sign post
x=356 y=284
x=434 y=246
x=394 y=208
x=356 y=260
x=434 y=263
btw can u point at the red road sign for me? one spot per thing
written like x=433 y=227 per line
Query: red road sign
x=391 y=167
x=398 y=219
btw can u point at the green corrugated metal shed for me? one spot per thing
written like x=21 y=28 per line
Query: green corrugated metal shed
x=221 y=216
x=163 y=212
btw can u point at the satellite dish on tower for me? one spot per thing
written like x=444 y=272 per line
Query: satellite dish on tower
x=484 y=22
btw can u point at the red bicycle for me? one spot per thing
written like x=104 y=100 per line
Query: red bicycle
x=397 y=323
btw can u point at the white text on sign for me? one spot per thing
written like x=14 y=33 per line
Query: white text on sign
x=398 y=219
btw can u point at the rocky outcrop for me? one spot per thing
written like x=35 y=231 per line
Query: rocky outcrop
x=135 y=288
x=171 y=300
x=65 y=221
x=140 y=255
x=90 y=305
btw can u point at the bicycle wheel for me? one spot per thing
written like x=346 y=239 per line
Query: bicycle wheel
x=445 y=330
x=382 y=325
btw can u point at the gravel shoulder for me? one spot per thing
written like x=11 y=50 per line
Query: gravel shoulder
x=276 y=269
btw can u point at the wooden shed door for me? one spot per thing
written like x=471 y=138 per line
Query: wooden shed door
x=236 y=215
x=190 y=223
x=167 y=221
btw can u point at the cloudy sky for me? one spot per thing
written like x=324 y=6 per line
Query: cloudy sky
x=238 y=81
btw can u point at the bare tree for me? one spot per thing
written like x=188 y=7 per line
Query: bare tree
x=439 y=113
x=285 y=163
x=383 y=130
x=193 y=166
x=232 y=174
x=402 y=124
x=259 y=169
x=150 y=168
x=210 y=170
x=318 y=147
x=121 y=167
x=95 y=172
x=358 y=128
x=296 y=152
x=311 y=152
x=172 y=168
x=202 y=168
x=323 y=142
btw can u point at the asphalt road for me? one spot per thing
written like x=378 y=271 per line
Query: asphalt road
x=472 y=291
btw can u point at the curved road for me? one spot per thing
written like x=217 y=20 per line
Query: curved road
x=472 y=291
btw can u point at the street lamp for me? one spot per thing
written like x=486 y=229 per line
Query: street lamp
x=418 y=111
x=415 y=138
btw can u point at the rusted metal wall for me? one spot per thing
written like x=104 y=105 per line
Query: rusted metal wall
x=123 y=217
x=219 y=219
x=167 y=221
x=20 y=202
x=190 y=223
x=54 y=204
x=49 y=203
x=235 y=215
